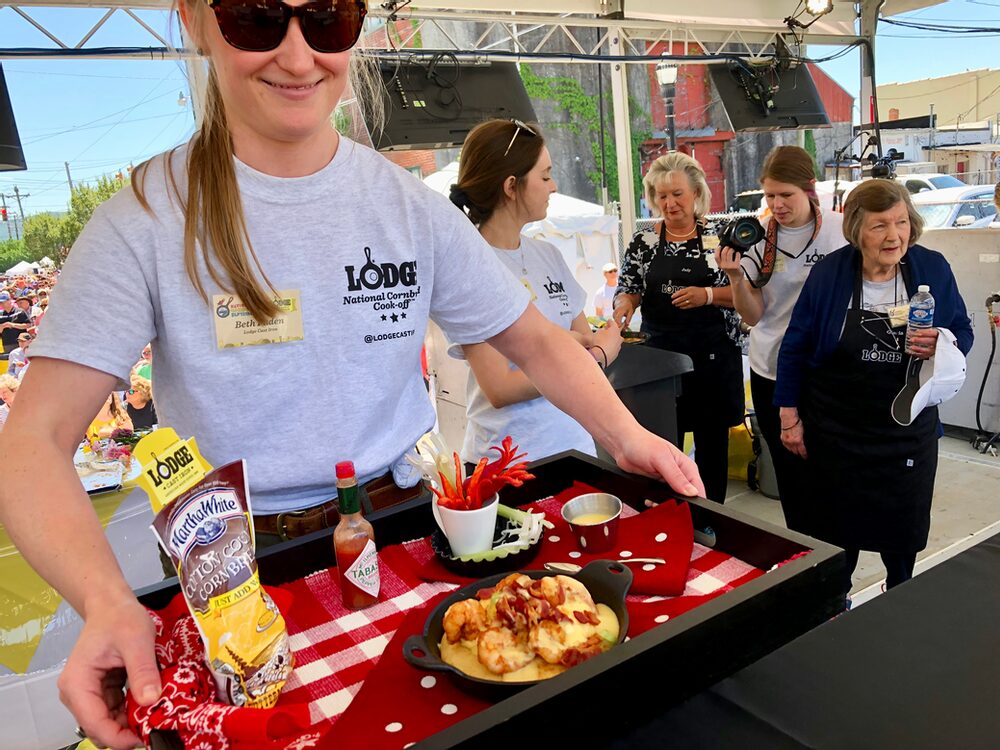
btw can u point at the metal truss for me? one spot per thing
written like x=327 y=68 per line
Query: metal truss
x=524 y=36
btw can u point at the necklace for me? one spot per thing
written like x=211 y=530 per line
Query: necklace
x=681 y=235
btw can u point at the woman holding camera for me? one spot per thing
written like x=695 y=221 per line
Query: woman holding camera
x=766 y=281
x=670 y=271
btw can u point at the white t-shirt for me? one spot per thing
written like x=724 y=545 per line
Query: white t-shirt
x=352 y=388
x=604 y=299
x=537 y=426
x=782 y=291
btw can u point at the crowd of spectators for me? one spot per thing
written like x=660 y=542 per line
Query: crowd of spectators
x=23 y=302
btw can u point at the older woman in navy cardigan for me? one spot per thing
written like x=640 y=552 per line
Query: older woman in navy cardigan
x=842 y=362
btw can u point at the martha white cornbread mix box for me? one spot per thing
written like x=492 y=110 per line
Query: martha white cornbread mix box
x=204 y=523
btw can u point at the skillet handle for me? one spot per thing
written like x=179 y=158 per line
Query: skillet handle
x=608 y=575
x=415 y=651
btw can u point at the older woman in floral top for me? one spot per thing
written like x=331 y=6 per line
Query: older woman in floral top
x=686 y=302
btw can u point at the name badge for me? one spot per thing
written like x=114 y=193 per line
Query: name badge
x=235 y=326
x=898 y=315
x=709 y=243
x=779 y=263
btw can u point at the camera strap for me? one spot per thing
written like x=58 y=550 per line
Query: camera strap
x=771 y=248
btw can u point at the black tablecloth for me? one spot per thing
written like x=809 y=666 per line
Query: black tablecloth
x=918 y=667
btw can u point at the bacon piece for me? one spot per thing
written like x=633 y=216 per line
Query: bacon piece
x=581 y=616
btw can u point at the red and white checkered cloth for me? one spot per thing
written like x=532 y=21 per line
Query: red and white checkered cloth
x=336 y=648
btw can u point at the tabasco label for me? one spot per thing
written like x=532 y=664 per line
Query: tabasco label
x=363 y=572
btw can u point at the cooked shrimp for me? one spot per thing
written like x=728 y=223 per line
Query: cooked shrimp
x=547 y=640
x=464 y=620
x=501 y=651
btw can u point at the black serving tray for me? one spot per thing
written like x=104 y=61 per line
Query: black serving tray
x=588 y=705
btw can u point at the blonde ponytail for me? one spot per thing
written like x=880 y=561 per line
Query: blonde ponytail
x=213 y=213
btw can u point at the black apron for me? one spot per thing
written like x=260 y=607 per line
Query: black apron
x=712 y=394
x=872 y=479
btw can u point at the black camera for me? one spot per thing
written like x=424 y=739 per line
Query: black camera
x=885 y=166
x=741 y=233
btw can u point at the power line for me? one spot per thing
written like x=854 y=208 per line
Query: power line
x=132 y=108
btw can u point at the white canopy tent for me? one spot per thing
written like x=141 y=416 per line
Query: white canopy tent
x=22 y=269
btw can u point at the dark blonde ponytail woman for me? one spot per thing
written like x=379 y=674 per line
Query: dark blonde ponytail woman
x=285 y=276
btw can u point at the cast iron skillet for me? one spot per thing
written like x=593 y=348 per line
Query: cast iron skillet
x=608 y=582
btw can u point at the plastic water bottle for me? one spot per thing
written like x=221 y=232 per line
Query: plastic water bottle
x=921 y=313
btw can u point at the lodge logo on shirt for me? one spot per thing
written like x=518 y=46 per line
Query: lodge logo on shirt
x=394 y=286
x=554 y=287
x=811 y=259
x=373 y=275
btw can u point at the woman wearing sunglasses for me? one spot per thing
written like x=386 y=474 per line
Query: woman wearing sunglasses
x=252 y=259
x=139 y=403
x=504 y=182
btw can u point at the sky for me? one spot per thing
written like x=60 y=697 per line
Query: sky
x=101 y=115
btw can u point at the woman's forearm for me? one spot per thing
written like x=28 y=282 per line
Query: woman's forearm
x=568 y=376
x=722 y=296
x=747 y=301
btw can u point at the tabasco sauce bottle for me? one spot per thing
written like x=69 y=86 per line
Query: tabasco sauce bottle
x=354 y=544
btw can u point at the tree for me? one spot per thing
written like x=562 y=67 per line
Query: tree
x=12 y=252
x=43 y=235
x=83 y=201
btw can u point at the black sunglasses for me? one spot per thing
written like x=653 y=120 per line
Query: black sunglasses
x=260 y=25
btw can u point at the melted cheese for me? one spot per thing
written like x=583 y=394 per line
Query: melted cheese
x=462 y=655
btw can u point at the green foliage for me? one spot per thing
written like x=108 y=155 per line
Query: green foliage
x=12 y=252
x=43 y=236
x=585 y=119
x=83 y=201
x=809 y=142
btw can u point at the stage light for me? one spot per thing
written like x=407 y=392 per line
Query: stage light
x=818 y=7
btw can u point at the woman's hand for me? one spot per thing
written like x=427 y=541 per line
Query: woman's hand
x=609 y=338
x=652 y=456
x=922 y=343
x=117 y=640
x=792 y=433
x=729 y=261
x=690 y=297
x=624 y=310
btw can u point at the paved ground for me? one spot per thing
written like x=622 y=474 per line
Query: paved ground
x=966 y=502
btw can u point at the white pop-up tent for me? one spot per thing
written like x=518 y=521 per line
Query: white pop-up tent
x=22 y=269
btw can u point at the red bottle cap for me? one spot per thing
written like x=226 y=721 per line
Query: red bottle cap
x=345 y=469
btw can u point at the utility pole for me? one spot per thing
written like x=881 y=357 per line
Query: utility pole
x=17 y=195
x=930 y=133
x=69 y=177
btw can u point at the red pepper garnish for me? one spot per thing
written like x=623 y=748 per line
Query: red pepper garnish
x=487 y=479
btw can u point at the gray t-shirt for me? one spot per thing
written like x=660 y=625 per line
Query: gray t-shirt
x=373 y=254
x=782 y=291
x=537 y=426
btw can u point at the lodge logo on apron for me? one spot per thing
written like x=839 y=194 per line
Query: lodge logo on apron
x=874 y=355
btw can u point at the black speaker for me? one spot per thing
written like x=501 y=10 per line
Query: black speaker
x=769 y=99
x=434 y=104
x=11 y=155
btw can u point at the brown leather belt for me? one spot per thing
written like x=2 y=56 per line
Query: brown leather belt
x=382 y=493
